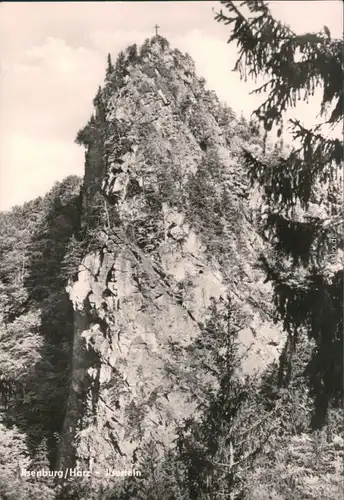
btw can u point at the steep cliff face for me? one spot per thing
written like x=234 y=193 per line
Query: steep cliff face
x=174 y=229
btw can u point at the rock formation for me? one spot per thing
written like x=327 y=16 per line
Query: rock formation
x=175 y=229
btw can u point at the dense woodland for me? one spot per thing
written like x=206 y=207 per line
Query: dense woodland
x=278 y=436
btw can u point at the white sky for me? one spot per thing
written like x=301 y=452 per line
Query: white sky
x=53 y=58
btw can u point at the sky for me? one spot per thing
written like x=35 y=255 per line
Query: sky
x=53 y=58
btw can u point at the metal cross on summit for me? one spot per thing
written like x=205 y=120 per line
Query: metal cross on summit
x=156 y=29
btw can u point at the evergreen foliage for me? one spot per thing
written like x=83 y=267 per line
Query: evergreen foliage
x=296 y=461
x=110 y=67
x=212 y=208
x=163 y=42
x=115 y=79
x=307 y=287
x=223 y=440
x=15 y=458
x=133 y=55
x=34 y=365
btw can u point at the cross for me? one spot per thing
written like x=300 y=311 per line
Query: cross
x=156 y=29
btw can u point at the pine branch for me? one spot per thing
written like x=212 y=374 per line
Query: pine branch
x=268 y=47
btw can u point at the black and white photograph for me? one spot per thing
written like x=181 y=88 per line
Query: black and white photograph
x=171 y=250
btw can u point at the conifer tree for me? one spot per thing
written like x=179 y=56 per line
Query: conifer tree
x=223 y=438
x=132 y=53
x=304 y=265
x=110 y=68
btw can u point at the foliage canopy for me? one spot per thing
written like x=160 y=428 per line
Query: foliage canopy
x=304 y=267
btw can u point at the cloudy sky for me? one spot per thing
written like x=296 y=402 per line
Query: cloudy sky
x=53 y=57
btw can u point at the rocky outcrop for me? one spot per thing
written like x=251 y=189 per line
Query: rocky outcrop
x=141 y=296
